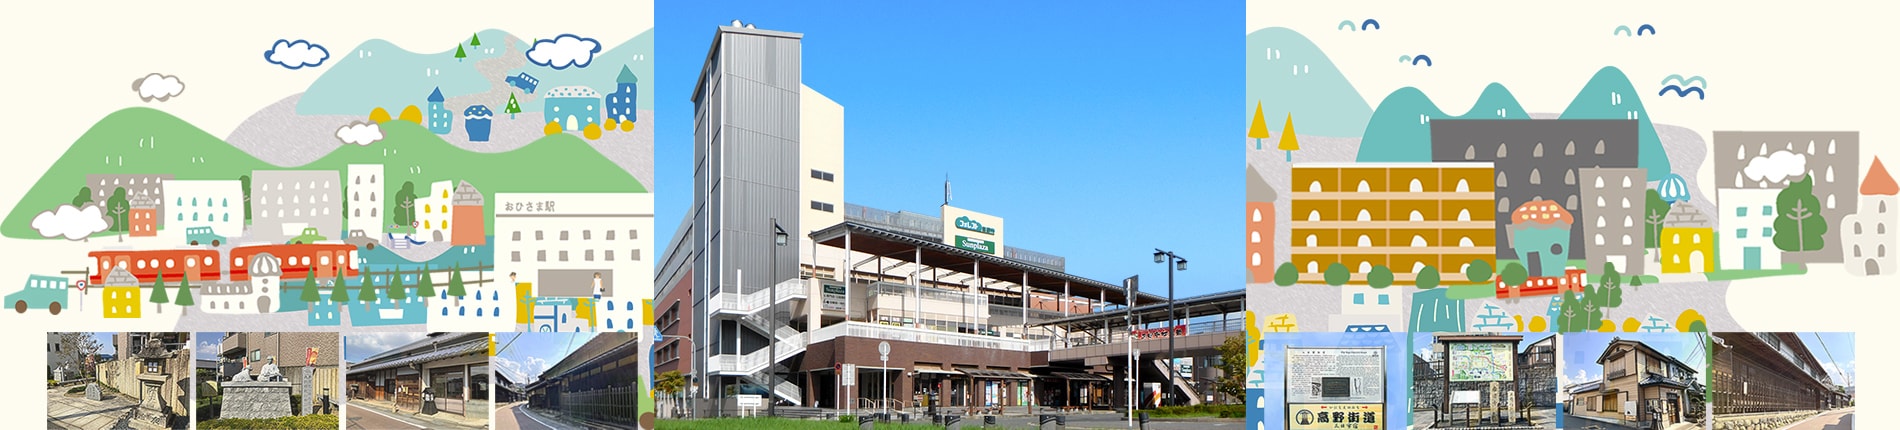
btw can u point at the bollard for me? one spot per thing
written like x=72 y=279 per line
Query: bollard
x=989 y=420
x=903 y=418
x=1051 y=422
x=1144 y=420
x=866 y=422
x=953 y=422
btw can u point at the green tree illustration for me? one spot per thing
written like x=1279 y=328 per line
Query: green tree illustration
x=1428 y=278
x=427 y=288
x=397 y=292
x=1613 y=283
x=514 y=107
x=1799 y=226
x=340 y=294
x=1478 y=272
x=309 y=293
x=1655 y=209
x=84 y=197
x=455 y=283
x=367 y=293
x=244 y=186
x=475 y=39
x=1337 y=275
x=117 y=206
x=1286 y=275
x=1379 y=277
x=158 y=290
x=1514 y=274
x=184 y=293
x=459 y=53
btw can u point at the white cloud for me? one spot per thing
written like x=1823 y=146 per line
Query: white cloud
x=296 y=54
x=1776 y=167
x=360 y=133
x=521 y=372
x=376 y=343
x=70 y=222
x=564 y=51
x=158 y=87
x=1840 y=373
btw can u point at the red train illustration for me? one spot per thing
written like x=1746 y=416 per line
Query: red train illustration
x=1543 y=286
x=201 y=265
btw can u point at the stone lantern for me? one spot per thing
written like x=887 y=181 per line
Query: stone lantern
x=153 y=377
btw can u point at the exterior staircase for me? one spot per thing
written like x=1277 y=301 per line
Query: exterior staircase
x=1174 y=379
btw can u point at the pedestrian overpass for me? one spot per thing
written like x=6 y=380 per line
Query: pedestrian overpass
x=1199 y=326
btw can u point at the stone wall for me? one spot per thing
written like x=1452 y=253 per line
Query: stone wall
x=255 y=400
x=1768 y=421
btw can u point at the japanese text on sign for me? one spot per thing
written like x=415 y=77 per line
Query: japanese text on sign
x=1335 y=416
x=542 y=206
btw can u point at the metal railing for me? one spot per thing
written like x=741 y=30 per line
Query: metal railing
x=612 y=404
x=756 y=301
x=907 y=334
x=1227 y=325
x=870 y=405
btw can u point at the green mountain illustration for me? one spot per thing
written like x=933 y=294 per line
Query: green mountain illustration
x=1401 y=129
x=148 y=141
x=1609 y=95
x=1286 y=72
x=378 y=73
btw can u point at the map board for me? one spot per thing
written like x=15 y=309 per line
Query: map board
x=1335 y=375
x=1480 y=361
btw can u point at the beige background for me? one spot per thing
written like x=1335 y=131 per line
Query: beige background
x=70 y=64
x=1770 y=66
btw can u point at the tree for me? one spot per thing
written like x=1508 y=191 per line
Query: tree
x=1567 y=319
x=244 y=186
x=346 y=217
x=378 y=115
x=427 y=288
x=84 y=197
x=1379 y=277
x=553 y=128
x=1636 y=281
x=336 y=284
x=76 y=346
x=184 y=293
x=1337 y=275
x=116 y=208
x=1258 y=128
x=455 y=282
x=339 y=294
x=475 y=40
x=1655 y=209
x=1799 y=226
x=1593 y=306
x=513 y=107
x=403 y=208
x=459 y=54
x=1288 y=141
x=310 y=285
x=1514 y=274
x=1427 y=278
x=1478 y=272
x=397 y=291
x=669 y=382
x=411 y=114
x=1233 y=367
x=158 y=291
x=1613 y=282
x=1286 y=275
x=609 y=125
x=591 y=131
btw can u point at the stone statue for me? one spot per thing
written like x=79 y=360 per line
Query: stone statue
x=243 y=375
x=269 y=373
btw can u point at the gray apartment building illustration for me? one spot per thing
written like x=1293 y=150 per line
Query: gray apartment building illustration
x=746 y=164
x=284 y=202
x=1538 y=159
x=1613 y=232
x=103 y=186
x=1833 y=157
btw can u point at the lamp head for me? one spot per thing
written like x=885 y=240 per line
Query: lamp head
x=778 y=235
x=1180 y=264
x=1160 y=256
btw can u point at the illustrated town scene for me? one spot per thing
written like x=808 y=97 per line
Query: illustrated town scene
x=128 y=380
x=489 y=182
x=1591 y=216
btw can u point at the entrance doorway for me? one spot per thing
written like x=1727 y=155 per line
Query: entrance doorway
x=1751 y=258
x=1698 y=263
x=1873 y=267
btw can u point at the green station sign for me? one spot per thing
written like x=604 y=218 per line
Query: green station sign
x=974 y=244
x=965 y=223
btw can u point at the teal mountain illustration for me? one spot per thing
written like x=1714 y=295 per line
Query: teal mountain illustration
x=1288 y=73
x=378 y=73
x=121 y=140
x=1401 y=129
x=1609 y=95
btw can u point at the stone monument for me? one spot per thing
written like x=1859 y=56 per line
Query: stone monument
x=153 y=378
x=263 y=399
x=306 y=388
x=92 y=392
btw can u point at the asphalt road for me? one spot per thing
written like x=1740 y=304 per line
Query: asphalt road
x=510 y=418
x=1116 y=421
x=1836 y=420
x=366 y=419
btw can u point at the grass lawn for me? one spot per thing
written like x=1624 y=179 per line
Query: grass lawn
x=1472 y=291
x=1785 y=270
x=1200 y=411
x=787 y=424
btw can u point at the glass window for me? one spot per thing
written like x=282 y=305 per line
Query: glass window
x=1359 y=298
x=1741 y=233
x=1385 y=299
x=1767 y=210
x=1767 y=232
x=1741 y=211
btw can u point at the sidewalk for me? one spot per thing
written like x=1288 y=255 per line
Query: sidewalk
x=556 y=419
x=475 y=420
x=114 y=412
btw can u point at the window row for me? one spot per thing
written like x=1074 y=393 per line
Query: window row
x=587 y=255
x=585 y=234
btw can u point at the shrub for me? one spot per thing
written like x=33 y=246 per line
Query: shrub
x=378 y=115
x=609 y=125
x=411 y=114
x=626 y=126
x=592 y=131
x=326 y=422
x=553 y=128
x=853 y=419
x=1286 y=275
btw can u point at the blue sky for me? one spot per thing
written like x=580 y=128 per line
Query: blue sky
x=1097 y=134
x=358 y=346
x=523 y=356
x=1838 y=346
x=1580 y=352
x=206 y=345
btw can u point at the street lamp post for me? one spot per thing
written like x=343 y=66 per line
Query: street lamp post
x=771 y=361
x=1131 y=288
x=1165 y=257
x=682 y=395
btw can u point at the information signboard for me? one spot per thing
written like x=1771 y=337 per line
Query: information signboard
x=1335 y=375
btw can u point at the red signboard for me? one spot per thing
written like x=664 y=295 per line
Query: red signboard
x=310 y=357
x=1157 y=333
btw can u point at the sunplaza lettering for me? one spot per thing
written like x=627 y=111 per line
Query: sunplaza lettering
x=974 y=244
x=965 y=223
x=1156 y=333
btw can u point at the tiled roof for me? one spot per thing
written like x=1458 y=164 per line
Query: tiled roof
x=572 y=91
x=1541 y=212
x=477 y=112
x=474 y=347
x=436 y=96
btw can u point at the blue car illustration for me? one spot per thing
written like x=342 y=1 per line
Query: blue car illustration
x=524 y=81
x=41 y=292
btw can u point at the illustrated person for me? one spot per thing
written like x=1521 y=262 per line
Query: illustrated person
x=597 y=286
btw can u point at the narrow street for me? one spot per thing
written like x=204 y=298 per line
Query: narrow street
x=1834 y=420
x=509 y=417
x=366 y=419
